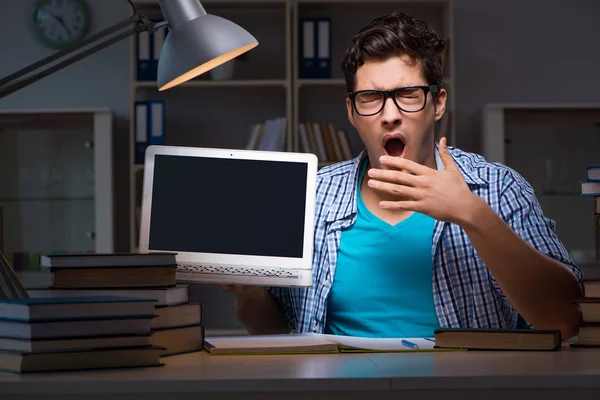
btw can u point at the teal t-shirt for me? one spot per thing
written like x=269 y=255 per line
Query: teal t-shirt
x=382 y=285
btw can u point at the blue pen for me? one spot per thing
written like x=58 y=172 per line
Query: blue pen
x=409 y=344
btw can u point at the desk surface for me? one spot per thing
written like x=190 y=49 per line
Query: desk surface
x=199 y=372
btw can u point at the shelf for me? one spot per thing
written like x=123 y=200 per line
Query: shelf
x=208 y=3
x=230 y=83
x=398 y=3
x=322 y=82
x=58 y=198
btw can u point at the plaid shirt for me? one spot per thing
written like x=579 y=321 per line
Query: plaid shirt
x=465 y=293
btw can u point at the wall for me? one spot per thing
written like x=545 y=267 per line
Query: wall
x=523 y=51
x=100 y=80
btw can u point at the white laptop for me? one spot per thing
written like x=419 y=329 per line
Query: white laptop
x=232 y=216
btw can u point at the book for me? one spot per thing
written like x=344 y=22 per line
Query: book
x=313 y=343
x=71 y=308
x=79 y=360
x=589 y=334
x=590 y=188
x=74 y=343
x=168 y=296
x=175 y=316
x=75 y=260
x=590 y=309
x=179 y=340
x=497 y=339
x=593 y=172
x=591 y=286
x=113 y=277
x=75 y=328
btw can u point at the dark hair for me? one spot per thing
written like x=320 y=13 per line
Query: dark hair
x=393 y=35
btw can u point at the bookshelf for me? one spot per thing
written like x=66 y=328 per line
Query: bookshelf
x=267 y=84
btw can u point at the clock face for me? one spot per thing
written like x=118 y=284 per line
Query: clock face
x=60 y=23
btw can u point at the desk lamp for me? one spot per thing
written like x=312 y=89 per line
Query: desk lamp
x=196 y=43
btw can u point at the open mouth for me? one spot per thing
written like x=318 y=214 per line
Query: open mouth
x=394 y=146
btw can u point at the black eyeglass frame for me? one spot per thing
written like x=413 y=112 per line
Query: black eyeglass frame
x=433 y=89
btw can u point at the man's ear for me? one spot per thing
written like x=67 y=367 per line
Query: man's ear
x=350 y=110
x=440 y=104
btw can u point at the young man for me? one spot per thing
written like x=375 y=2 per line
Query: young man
x=412 y=235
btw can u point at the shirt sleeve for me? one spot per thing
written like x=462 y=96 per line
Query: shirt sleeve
x=283 y=297
x=520 y=209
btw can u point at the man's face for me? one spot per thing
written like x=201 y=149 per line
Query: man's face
x=393 y=131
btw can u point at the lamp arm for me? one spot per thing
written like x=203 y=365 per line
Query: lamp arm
x=136 y=23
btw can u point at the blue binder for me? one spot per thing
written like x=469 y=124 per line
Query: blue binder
x=308 y=48
x=156 y=122
x=149 y=127
x=323 y=36
x=140 y=131
x=148 y=52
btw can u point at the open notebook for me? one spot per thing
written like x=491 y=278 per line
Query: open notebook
x=313 y=343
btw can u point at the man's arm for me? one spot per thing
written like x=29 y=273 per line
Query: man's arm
x=258 y=311
x=540 y=288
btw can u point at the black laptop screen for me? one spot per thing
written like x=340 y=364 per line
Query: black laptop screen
x=228 y=206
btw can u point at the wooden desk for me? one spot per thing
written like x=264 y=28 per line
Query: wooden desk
x=465 y=375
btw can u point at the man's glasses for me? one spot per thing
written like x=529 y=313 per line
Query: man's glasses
x=408 y=99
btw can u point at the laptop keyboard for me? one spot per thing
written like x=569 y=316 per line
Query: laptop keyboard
x=219 y=270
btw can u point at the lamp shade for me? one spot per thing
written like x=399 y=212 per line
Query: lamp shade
x=198 y=44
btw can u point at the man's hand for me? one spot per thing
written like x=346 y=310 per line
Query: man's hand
x=257 y=310
x=241 y=289
x=443 y=195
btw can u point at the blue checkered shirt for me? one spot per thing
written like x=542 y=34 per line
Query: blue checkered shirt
x=465 y=293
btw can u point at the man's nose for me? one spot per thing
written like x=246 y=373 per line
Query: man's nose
x=391 y=114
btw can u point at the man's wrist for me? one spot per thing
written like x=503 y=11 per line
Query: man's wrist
x=474 y=209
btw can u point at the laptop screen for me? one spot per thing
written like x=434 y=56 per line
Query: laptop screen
x=228 y=206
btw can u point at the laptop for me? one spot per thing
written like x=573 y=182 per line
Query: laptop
x=231 y=216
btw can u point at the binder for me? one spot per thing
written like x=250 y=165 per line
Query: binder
x=144 y=71
x=308 y=44
x=156 y=133
x=149 y=47
x=158 y=39
x=323 y=68
x=141 y=131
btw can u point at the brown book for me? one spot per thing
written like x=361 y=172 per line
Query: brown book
x=82 y=260
x=590 y=309
x=497 y=339
x=324 y=129
x=80 y=360
x=113 y=277
x=185 y=339
x=589 y=333
x=176 y=316
x=591 y=287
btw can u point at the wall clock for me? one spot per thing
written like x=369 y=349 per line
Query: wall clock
x=60 y=23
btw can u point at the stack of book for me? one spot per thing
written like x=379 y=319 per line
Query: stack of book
x=589 y=329
x=177 y=323
x=57 y=334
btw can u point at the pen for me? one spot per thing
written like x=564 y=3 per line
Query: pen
x=409 y=344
